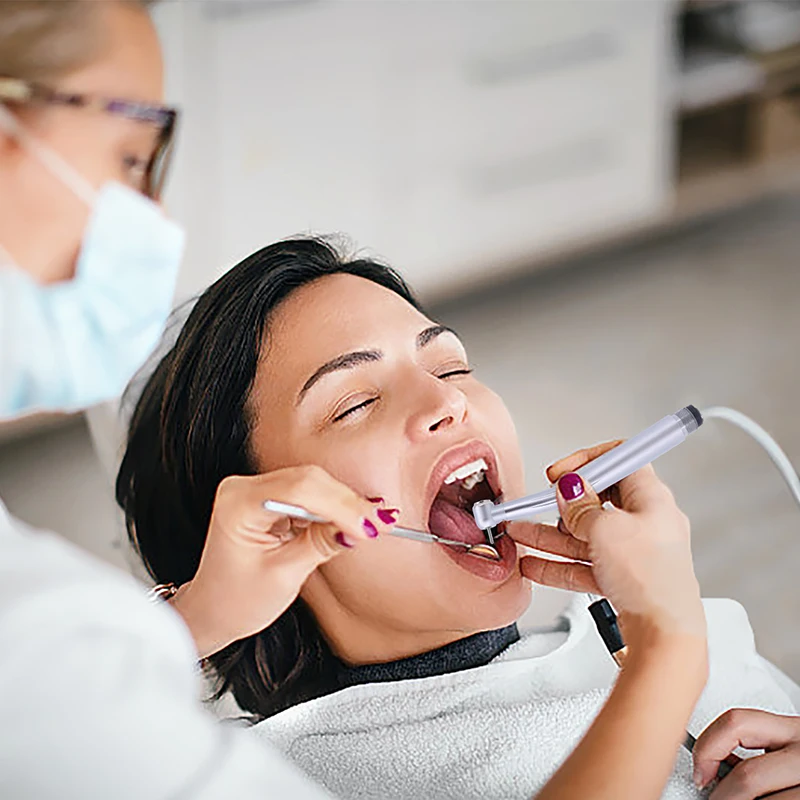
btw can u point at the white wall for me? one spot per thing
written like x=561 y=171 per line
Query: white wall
x=456 y=139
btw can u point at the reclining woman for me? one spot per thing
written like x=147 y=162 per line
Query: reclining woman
x=399 y=671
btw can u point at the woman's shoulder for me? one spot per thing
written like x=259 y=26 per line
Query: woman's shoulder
x=738 y=674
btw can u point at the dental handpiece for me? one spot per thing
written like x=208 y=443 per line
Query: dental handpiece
x=604 y=471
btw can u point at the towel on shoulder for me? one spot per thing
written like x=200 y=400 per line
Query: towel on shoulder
x=501 y=730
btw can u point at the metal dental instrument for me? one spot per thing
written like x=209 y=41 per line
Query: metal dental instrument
x=481 y=550
x=604 y=471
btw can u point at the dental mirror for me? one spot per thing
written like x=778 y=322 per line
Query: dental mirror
x=484 y=551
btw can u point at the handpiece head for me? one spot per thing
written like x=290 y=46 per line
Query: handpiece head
x=482 y=511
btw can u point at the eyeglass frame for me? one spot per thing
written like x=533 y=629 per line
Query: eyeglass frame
x=165 y=118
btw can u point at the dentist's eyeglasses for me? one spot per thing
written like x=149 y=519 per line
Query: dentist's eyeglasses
x=163 y=118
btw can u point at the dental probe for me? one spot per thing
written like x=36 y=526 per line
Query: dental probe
x=298 y=512
x=604 y=471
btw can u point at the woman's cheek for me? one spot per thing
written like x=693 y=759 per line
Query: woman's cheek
x=499 y=425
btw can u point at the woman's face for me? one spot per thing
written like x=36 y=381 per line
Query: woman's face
x=99 y=146
x=355 y=380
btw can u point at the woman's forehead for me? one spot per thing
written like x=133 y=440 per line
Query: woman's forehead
x=342 y=307
x=334 y=315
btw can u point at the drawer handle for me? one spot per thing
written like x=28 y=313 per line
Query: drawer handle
x=574 y=159
x=590 y=48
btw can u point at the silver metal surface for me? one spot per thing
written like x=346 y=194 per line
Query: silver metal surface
x=298 y=512
x=603 y=472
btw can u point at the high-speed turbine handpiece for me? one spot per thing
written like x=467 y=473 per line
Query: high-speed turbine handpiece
x=604 y=471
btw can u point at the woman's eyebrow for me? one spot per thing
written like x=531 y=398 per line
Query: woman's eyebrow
x=357 y=357
x=429 y=334
x=346 y=361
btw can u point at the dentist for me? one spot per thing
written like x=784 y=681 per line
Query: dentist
x=96 y=682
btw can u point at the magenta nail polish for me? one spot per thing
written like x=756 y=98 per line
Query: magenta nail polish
x=570 y=486
x=376 y=500
x=342 y=539
x=387 y=515
x=371 y=530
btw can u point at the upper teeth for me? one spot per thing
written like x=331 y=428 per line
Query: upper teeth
x=471 y=474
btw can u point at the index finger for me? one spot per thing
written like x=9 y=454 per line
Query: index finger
x=579 y=459
x=742 y=727
x=639 y=491
x=316 y=491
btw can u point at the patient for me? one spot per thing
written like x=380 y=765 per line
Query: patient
x=399 y=670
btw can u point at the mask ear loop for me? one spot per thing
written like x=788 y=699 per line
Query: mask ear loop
x=56 y=163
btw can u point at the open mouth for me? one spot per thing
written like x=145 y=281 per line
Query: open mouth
x=450 y=515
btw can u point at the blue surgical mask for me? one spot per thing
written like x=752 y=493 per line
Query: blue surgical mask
x=71 y=345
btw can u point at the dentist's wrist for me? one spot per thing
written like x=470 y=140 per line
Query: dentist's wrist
x=685 y=650
x=208 y=637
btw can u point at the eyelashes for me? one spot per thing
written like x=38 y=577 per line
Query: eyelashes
x=353 y=409
x=462 y=371
x=369 y=401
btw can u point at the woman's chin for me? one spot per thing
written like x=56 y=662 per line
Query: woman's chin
x=492 y=605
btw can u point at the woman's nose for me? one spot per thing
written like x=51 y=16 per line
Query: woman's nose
x=439 y=407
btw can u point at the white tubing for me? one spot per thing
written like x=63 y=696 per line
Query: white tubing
x=772 y=448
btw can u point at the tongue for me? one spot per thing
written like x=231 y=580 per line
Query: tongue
x=451 y=522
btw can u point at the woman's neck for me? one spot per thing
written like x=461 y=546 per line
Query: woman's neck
x=355 y=642
x=358 y=639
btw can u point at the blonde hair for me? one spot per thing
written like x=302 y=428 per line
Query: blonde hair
x=41 y=40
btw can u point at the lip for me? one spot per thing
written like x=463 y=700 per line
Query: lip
x=454 y=458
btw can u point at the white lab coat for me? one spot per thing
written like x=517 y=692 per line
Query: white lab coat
x=99 y=690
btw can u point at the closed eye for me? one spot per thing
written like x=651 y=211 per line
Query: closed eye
x=353 y=409
x=452 y=372
x=369 y=401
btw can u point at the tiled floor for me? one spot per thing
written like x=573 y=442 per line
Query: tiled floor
x=603 y=347
x=598 y=349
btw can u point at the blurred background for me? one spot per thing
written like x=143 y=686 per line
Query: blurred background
x=601 y=196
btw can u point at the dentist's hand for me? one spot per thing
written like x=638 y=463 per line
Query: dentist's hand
x=775 y=774
x=637 y=551
x=255 y=562
x=641 y=560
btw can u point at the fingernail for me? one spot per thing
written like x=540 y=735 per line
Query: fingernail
x=370 y=529
x=376 y=500
x=342 y=539
x=387 y=515
x=570 y=486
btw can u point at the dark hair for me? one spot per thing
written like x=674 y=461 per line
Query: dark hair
x=190 y=429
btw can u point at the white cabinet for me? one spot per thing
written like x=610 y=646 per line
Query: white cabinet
x=451 y=138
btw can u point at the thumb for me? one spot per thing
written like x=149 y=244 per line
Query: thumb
x=578 y=503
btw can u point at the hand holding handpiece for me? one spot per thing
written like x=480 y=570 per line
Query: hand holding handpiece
x=636 y=553
x=602 y=472
x=255 y=561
